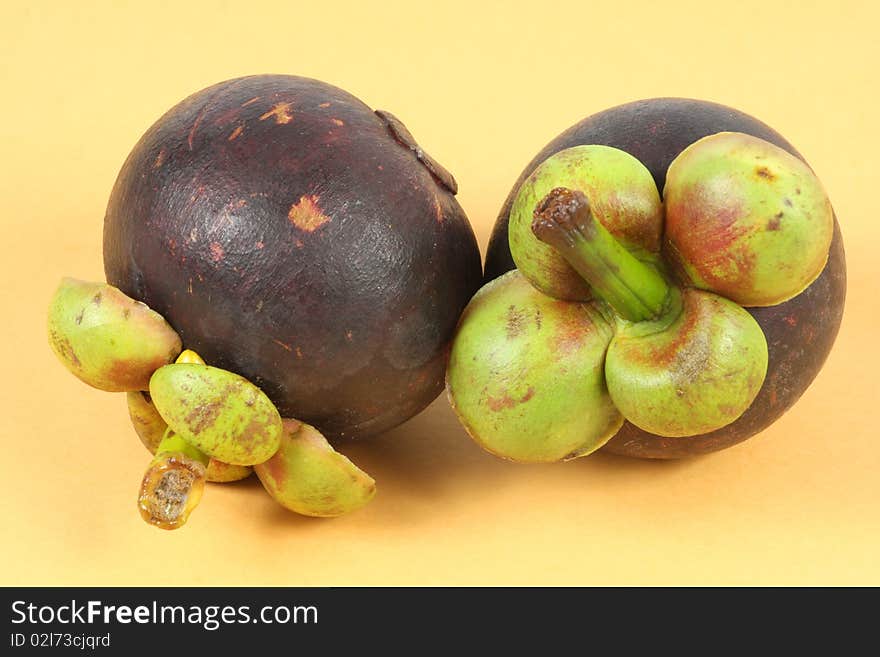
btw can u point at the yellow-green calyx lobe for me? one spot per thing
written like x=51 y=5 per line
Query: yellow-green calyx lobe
x=680 y=363
x=526 y=373
x=150 y=428
x=697 y=374
x=307 y=476
x=107 y=339
x=217 y=411
x=746 y=219
x=623 y=197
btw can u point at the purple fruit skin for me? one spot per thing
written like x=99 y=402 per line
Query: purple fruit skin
x=287 y=235
x=799 y=332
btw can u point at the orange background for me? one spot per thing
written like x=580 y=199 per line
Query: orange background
x=483 y=86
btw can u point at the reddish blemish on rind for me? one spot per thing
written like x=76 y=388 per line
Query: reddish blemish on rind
x=690 y=321
x=573 y=327
x=195 y=125
x=216 y=252
x=203 y=416
x=765 y=173
x=282 y=112
x=438 y=210
x=709 y=239
x=306 y=215
x=516 y=322
x=506 y=401
x=276 y=469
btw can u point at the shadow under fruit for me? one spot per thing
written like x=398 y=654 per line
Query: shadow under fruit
x=799 y=332
x=293 y=236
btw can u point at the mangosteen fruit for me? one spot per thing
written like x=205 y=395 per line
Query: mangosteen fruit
x=747 y=230
x=302 y=241
x=311 y=250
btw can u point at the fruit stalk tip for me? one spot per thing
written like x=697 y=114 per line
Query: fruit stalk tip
x=563 y=219
x=173 y=484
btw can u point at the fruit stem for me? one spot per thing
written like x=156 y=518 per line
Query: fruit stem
x=563 y=219
x=173 y=484
x=175 y=479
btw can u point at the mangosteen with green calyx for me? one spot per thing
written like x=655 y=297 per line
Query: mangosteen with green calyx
x=799 y=332
x=681 y=362
x=771 y=221
x=296 y=237
x=622 y=195
x=526 y=373
x=307 y=476
x=107 y=339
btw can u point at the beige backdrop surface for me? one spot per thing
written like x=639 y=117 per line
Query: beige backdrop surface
x=483 y=86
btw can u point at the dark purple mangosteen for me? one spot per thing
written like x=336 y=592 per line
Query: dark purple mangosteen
x=291 y=234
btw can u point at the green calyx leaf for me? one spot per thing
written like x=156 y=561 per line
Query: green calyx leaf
x=221 y=413
x=693 y=371
x=107 y=339
x=526 y=374
x=746 y=219
x=308 y=476
x=151 y=427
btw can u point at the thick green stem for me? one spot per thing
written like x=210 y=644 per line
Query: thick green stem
x=635 y=290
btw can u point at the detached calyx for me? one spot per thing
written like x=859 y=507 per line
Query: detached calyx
x=201 y=423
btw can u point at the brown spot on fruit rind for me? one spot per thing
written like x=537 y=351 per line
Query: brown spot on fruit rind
x=438 y=210
x=203 y=416
x=195 y=125
x=506 y=401
x=711 y=239
x=216 y=251
x=306 y=215
x=235 y=133
x=765 y=173
x=516 y=321
x=282 y=113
